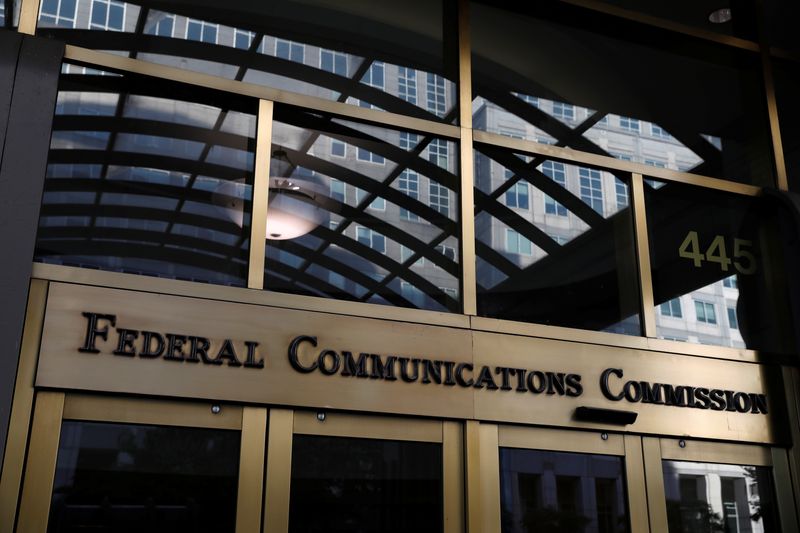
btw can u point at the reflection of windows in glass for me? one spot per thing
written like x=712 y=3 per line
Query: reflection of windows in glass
x=107 y=15
x=629 y=124
x=243 y=39
x=517 y=196
x=606 y=494
x=563 y=111
x=412 y=294
x=332 y=61
x=672 y=308
x=568 y=494
x=730 y=282
x=517 y=244
x=438 y=152
x=658 y=131
x=338 y=190
x=408 y=183
x=408 y=140
x=451 y=292
x=622 y=193
x=591 y=188
x=407 y=84
x=374 y=77
x=733 y=322
x=200 y=30
x=436 y=93
x=162 y=24
x=654 y=163
x=338 y=148
x=705 y=312
x=378 y=203
x=447 y=251
x=556 y=172
x=530 y=490
x=370 y=238
x=365 y=155
x=532 y=100
x=58 y=13
x=290 y=50
x=406 y=254
x=439 y=198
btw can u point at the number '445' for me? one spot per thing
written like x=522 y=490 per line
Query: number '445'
x=717 y=252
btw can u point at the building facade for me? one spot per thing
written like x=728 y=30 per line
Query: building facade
x=421 y=266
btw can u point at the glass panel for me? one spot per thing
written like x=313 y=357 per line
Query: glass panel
x=380 y=56
x=9 y=13
x=716 y=264
x=709 y=498
x=787 y=89
x=781 y=18
x=362 y=213
x=129 y=478
x=554 y=243
x=571 y=77
x=561 y=492
x=148 y=177
x=370 y=486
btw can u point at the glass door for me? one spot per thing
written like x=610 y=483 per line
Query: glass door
x=338 y=472
x=129 y=465
x=710 y=487
x=561 y=481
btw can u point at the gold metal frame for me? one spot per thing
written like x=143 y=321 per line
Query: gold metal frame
x=258 y=226
x=22 y=406
x=54 y=407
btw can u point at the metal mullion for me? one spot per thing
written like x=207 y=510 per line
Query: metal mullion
x=279 y=471
x=251 y=470
x=258 y=220
x=636 y=484
x=37 y=488
x=643 y=257
x=654 y=482
x=784 y=493
x=570 y=156
x=453 y=476
x=106 y=60
x=28 y=16
x=469 y=283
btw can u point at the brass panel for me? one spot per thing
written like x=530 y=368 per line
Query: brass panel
x=715 y=452
x=677 y=27
x=22 y=406
x=37 y=489
x=472 y=476
x=560 y=440
x=367 y=427
x=279 y=471
x=784 y=495
x=489 y=477
x=590 y=361
x=119 y=280
x=636 y=486
x=643 y=256
x=469 y=282
x=464 y=69
x=258 y=227
x=111 y=61
x=251 y=470
x=62 y=365
x=654 y=477
x=573 y=156
x=152 y=412
x=704 y=350
x=453 y=466
x=28 y=16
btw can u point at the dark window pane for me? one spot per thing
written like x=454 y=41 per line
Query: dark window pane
x=9 y=13
x=129 y=478
x=560 y=254
x=574 y=78
x=561 y=492
x=712 y=251
x=362 y=213
x=148 y=177
x=782 y=16
x=352 y=52
x=710 y=498
x=343 y=485
x=787 y=89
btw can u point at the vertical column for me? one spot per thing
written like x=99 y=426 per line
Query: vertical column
x=453 y=462
x=28 y=15
x=29 y=69
x=468 y=276
x=251 y=470
x=258 y=223
x=279 y=471
x=635 y=481
x=643 y=256
x=654 y=477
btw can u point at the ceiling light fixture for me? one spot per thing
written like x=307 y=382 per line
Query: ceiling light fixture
x=720 y=16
